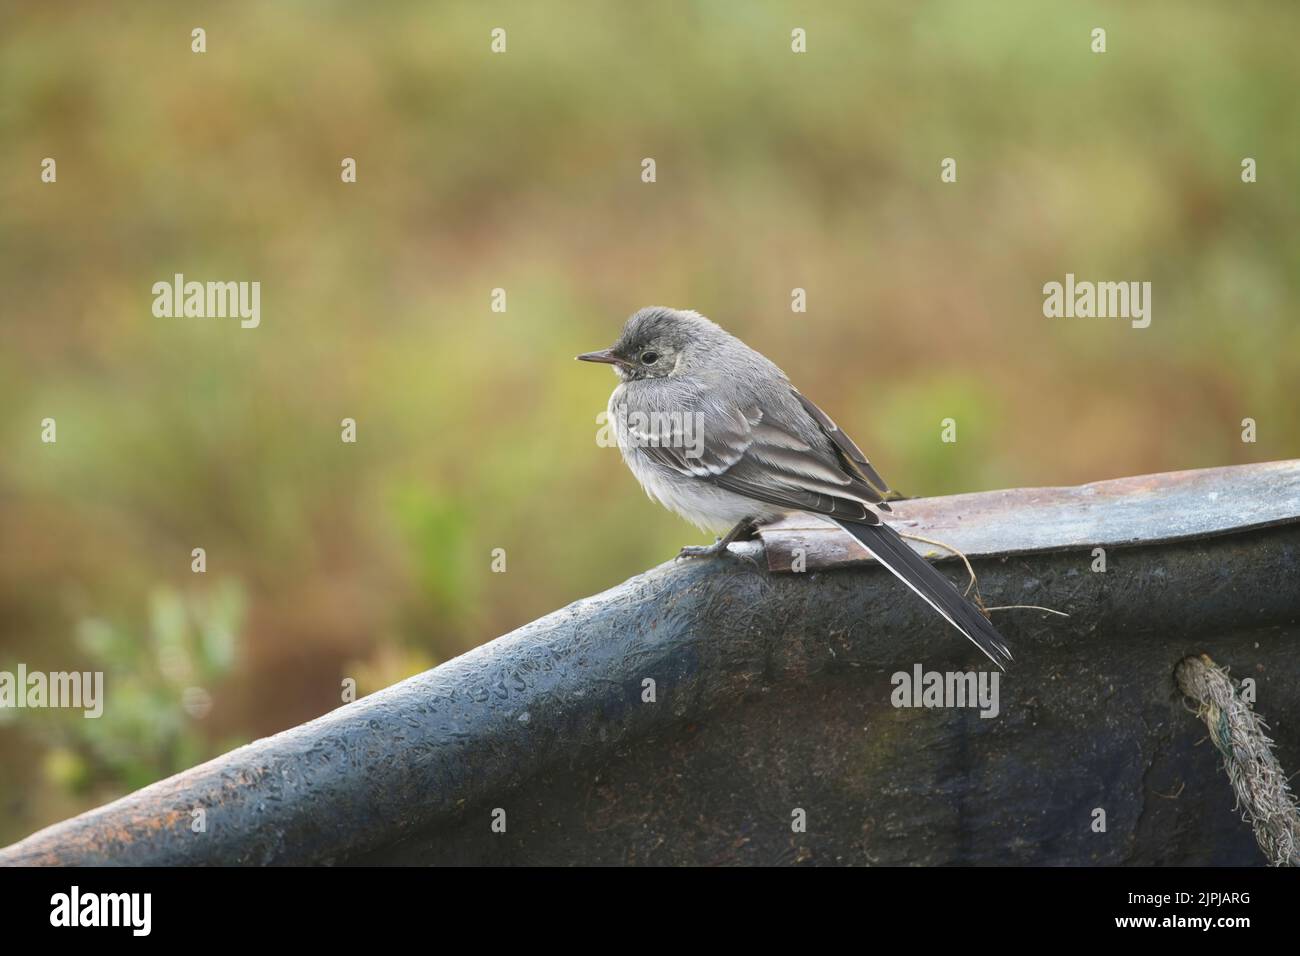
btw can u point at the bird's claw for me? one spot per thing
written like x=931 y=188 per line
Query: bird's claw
x=717 y=550
x=703 y=550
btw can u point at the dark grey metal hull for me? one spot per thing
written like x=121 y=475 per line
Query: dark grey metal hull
x=773 y=695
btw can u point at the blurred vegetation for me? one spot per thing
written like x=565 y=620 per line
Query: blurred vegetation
x=188 y=645
x=521 y=171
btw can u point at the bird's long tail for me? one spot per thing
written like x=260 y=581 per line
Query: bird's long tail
x=922 y=577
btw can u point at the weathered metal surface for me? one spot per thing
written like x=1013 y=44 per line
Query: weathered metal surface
x=1146 y=509
x=773 y=693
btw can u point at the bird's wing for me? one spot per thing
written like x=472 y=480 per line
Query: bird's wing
x=757 y=451
x=853 y=457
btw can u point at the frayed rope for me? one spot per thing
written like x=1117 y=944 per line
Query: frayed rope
x=1263 y=795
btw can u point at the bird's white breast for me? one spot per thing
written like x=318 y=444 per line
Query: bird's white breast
x=704 y=505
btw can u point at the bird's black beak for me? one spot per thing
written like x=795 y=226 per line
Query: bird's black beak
x=605 y=355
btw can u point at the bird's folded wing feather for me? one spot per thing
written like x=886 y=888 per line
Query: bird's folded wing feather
x=856 y=460
x=758 y=452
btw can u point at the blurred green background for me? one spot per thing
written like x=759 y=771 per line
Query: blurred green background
x=476 y=430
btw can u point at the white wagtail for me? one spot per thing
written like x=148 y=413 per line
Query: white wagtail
x=716 y=432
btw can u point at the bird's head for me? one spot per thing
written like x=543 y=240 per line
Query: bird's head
x=657 y=342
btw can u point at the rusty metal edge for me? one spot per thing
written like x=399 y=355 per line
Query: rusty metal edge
x=1268 y=491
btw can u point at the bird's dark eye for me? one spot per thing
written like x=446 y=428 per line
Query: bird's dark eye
x=649 y=358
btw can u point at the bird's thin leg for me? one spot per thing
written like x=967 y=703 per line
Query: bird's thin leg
x=743 y=530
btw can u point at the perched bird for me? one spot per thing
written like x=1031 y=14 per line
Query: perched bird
x=715 y=432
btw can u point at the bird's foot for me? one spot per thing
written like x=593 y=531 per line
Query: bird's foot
x=704 y=550
x=743 y=531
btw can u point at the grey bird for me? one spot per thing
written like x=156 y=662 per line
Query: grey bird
x=715 y=432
